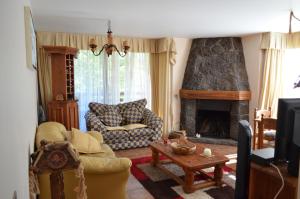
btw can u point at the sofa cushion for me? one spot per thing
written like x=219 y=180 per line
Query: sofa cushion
x=115 y=136
x=140 y=104
x=133 y=115
x=84 y=142
x=111 y=117
x=137 y=134
x=107 y=152
x=99 y=108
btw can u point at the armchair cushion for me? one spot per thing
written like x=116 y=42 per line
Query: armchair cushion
x=107 y=165
x=84 y=142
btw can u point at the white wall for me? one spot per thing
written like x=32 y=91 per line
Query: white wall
x=183 y=46
x=18 y=102
x=253 y=59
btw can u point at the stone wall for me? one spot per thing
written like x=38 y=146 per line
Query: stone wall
x=215 y=64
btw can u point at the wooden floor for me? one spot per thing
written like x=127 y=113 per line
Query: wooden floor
x=136 y=191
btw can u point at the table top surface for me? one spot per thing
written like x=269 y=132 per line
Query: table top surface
x=192 y=161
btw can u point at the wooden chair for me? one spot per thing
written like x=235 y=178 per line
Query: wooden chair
x=266 y=130
x=257 y=118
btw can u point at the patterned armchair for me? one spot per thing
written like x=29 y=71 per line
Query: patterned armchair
x=102 y=117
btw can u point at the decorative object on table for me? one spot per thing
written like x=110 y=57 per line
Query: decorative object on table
x=207 y=153
x=54 y=158
x=30 y=38
x=182 y=146
x=177 y=134
x=63 y=108
x=110 y=46
x=100 y=117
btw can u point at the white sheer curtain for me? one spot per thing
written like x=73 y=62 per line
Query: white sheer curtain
x=291 y=63
x=137 y=77
x=102 y=79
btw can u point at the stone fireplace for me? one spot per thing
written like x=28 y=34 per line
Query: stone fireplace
x=215 y=91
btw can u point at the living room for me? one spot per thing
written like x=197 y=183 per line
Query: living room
x=153 y=99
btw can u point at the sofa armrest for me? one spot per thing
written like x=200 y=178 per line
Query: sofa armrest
x=98 y=165
x=152 y=121
x=93 y=123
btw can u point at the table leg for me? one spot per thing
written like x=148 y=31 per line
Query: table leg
x=218 y=174
x=155 y=157
x=188 y=181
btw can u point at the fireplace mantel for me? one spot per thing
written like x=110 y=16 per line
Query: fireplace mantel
x=215 y=95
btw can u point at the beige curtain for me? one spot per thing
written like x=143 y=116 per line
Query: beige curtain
x=272 y=85
x=274 y=45
x=161 y=83
x=162 y=58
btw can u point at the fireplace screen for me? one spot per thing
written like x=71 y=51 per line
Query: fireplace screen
x=215 y=124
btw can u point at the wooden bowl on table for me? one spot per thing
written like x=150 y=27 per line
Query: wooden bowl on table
x=183 y=148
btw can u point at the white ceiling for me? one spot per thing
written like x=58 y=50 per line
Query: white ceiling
x=161 y=18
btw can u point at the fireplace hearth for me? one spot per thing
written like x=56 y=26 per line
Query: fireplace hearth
x=215 y=91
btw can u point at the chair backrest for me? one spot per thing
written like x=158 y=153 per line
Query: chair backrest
x=243 y=160
x=259 y=112
x=268 y=123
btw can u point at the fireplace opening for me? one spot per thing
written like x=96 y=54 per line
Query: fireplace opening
x=213 y=124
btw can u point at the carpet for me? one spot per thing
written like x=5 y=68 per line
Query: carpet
x=161 y=186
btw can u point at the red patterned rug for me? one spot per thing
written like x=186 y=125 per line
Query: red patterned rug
x=161 y=186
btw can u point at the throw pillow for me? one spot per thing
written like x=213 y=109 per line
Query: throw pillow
x=141 y=104
x=129 y=127
x=84 y=142
x=133 y=115
x=111 y=117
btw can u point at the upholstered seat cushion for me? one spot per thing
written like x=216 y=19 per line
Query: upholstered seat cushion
x=140 y=132
x=270 y=134
x=115 y=136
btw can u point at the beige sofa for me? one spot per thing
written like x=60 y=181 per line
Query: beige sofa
x=106 y=175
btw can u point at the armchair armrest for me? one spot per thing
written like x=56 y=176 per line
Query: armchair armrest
x=96 y=165
x=152 y=121
x=93 y=123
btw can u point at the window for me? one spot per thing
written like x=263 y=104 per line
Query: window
x=291 y=64
x=111 y=80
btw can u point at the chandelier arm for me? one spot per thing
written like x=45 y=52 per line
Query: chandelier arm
x=295 y=16
x=124 y=54
x=97 y=54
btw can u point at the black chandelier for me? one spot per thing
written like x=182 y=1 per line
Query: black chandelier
x=109 y=47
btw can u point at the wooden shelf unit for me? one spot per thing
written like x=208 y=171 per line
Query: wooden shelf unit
x=64 y=107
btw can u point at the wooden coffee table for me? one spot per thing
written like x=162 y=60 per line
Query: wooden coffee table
x=191 y=165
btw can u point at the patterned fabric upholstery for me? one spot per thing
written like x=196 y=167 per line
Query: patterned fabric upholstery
x=133 y=115
x=111 y=117
x=126 y=139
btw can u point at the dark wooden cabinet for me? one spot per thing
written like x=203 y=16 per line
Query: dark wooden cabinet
x=265 y=183
x=63 y=108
